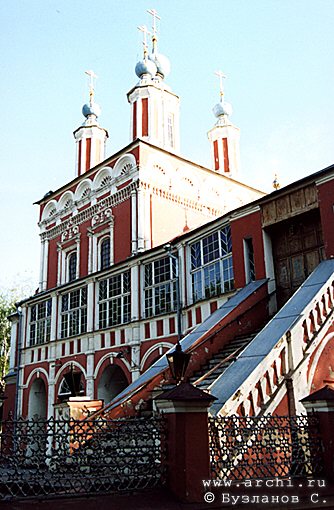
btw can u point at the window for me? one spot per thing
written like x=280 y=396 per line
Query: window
x=170 y=127
x=249 y=260
x=115 y=300
x=211 y=265
x=40 y=322
x=105 y=253
x=72 y=266
x=74 y=312
x=160 y=287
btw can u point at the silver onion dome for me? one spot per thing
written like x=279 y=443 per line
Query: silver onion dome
x=162 y=63
x=89 y=109
x=222 y=108
x=145 y=66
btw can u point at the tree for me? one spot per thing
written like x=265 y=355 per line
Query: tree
x=7 y=306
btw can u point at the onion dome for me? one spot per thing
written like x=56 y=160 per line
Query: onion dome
x=91 y=109
x=162 y=63
x=145 y=67
x=222 y=108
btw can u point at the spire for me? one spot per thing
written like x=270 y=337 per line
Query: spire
x=224 y=137
x=90 y=137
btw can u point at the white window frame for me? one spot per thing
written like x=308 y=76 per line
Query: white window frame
x=216 y=265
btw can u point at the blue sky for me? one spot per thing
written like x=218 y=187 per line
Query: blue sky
x=277 y=55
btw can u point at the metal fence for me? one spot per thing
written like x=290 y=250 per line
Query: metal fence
x=265 y=447
x=40 y=458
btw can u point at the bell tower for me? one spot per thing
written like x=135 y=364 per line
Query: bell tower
x=224 y=138
x=90 y=137
x=155 y=108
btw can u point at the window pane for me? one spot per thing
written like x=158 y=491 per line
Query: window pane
x=195 y=255
x=162 y=270
x=212 y=284
x=103 y=287
x=72 y=267
x=228 y=274
x=210 y=248
x=105 y=253
x=226 y=240
x=197 y=285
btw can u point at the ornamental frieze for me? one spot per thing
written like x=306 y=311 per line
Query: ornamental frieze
x=91 y=212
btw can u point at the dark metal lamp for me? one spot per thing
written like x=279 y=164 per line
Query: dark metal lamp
x=178 y=362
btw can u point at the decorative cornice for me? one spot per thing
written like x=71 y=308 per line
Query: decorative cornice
x=95 y=210
x=183 y=201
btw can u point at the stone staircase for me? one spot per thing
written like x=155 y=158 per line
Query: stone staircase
x=208 y=373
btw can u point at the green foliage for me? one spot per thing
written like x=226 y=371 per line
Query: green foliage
x=7 y=306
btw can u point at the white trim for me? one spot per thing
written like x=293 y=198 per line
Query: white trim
x=36 y=371
x=162 y=345
x=68 y=364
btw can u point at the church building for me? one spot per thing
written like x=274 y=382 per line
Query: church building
x=254 y=271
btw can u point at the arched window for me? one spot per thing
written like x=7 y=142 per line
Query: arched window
x=72 y=266
x=105 y=253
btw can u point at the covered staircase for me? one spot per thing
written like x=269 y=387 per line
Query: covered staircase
x=216 y=366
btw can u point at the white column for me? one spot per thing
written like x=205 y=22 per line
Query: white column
x=135 y=358
x=13 y=341
x=135 y=292
x=59 y=265
x=53 y=331
x=90 y=251
x=90 y=369
x=45 y=264
x=133 y=222
x=141 y=226
x=90 y=306
x=94 y=253
x=41 y=266
x=112 y=250
x=51 y=386
x=78 y=258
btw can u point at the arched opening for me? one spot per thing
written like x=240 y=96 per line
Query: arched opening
x=112 y=382
x=72 y=385
x=37 y=399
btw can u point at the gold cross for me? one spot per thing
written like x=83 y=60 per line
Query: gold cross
x=155 y=16
x=220 y=75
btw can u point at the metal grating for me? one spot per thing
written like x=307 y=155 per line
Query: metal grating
x=41 y=458
x=264 y=447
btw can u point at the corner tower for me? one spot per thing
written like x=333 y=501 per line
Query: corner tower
x=155 y=108
x=224 y=138
x=90 y=137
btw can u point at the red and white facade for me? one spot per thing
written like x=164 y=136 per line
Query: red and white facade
x=106 y=304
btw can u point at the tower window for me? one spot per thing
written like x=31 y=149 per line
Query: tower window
x=170 y=128
x=72 y=266
x=105 y=253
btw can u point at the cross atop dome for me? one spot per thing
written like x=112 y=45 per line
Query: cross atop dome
x=220 y=75
x=155 y=17
x=92 y=78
